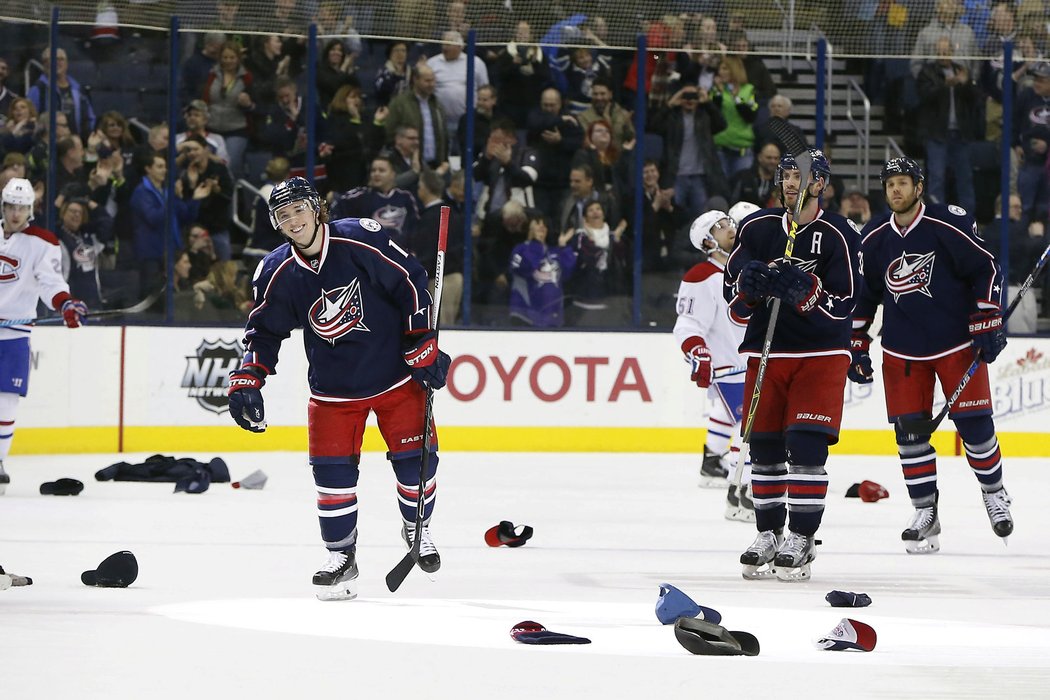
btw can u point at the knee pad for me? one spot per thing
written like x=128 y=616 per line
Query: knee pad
x=911 y=443
x=975 y=430
x=335 y=472
x=807 y=447
x=765 y=451
x=406 y=466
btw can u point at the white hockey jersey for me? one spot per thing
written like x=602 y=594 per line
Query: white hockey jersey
x=703 y=312
x=30 y=269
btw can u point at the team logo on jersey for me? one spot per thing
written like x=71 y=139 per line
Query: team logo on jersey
x=957 y=210
x=207 y=371
x=370 y=225
x=390 y=217
x=8 y=268
x=911 y=272
x=804 y=265
x=338 y=312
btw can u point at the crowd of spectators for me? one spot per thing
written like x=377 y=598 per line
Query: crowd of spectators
x=554 y=150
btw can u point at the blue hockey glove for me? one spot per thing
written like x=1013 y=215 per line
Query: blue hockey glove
x=429 y=365
x=246 y=401
x=860 y=370
x=798 y=288
x=756 y=280
x=989 y=336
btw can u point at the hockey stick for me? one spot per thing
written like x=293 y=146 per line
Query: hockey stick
x=926 y=426
x=48 y=320
x=729 y=372
x=400 y=572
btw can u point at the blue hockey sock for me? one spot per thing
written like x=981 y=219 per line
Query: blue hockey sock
x=336 y=482
x=406 y=469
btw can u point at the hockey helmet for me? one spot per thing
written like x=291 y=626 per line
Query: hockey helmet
x=701 y=230
x=19 y=191
x=741 y=210
x=820 y=166
x=901 y=166
x=294 y=189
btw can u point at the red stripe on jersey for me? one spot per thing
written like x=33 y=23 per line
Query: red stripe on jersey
x=920 y=470
x=699 y=273
x=41 y=233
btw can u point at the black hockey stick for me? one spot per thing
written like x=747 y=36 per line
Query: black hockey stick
x=400 y=572
x=48 y=320
x=926 y=426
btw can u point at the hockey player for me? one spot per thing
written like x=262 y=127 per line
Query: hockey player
x=364 y=308
x=801 y=396
x=30 y=269
x=709 y=336
x=941 y=292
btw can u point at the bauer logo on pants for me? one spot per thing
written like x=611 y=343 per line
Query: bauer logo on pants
x=208 y=371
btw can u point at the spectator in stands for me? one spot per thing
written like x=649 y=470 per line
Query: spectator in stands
x=582 y=192
x=424 y=245
x=149 y=227
x=555 y=135
x=229 y=93
x=856 y=207
x=81 y=251
x=222 y=295
x=282 y=126
x=14 y=165
x=195 y=115
x=333 y=18
x=537 y=275
x=335 y=69
x=266 y=62
x=156 y=143
x=201 y=250
x=603 y=107
x=395 y=209
x=522 y=73
x=1031 y=128
x=948 y=122
x=264 y=238
x=195 y=70
x=395 y=77
x=455 y=194
x=698 y=61
x=507 y=169
x=946 y=24
x=688 y=124
x=754 y=67
x=484 y=111
x=70 y=176
x=735 y=95
x=779 y=106
x=456 y=17
x=420 y=108
x=38 y=155
x=6 y=95
x=74 y=102
x=501 y=230
x=601 y=260
x=661 y=220
x=755 y=185
x=609 y=165
x=351 y=137
x=198 y=167
x=18 y=130
x=583 y=70
x=450 y=75
x=405 y=156
x=1027 y=241
x=112 y=136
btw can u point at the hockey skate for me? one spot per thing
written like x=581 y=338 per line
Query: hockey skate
x=739 y=505
x=337 y=579
x=998 y=506
x=921 y=535
x=429 y=559
x=758 y=558
x=4 y=480
x=713 y=473
x=793 y=557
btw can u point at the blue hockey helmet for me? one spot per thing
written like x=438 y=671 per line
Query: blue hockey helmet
x=820 y=166
x=901 y=166
x=293 y=189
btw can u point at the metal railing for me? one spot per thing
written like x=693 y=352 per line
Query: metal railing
x=239 y=188
x=863 y=133
x=892 y=150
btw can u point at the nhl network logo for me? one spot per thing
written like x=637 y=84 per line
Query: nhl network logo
x=207 y=371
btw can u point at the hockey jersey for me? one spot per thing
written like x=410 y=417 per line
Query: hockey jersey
x=396 y=211
x=703 y=312
x=355 y=302
x=30 y=269
x=929 y=277
x=538 y=274
x=827 y=247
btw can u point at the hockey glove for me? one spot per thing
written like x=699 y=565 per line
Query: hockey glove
x=246 y=401
x=756 y=280
x=428 y=364
x=697 y=354
x=802 y=290
x=860 y=369
x=73 y=310
x=989 y=336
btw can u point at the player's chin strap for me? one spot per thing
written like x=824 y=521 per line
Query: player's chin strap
x=317 y=228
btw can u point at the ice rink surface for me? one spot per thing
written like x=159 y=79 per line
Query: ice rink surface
x=223 y=606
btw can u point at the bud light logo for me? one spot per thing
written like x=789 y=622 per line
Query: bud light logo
x=207 y=373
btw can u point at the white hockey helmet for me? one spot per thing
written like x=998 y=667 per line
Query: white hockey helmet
x=741 y=210
x=700 y=231
x=19 y=190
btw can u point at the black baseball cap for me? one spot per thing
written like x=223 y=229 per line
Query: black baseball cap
x=118 y=570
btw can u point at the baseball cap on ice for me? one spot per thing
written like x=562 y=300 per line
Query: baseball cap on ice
x=673 y=604
x=118 y=570
x=848 y=634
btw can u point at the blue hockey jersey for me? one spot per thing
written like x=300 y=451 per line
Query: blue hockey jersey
x=929 y=278
x=396 y=210
x=354 y=302
x=827 y=247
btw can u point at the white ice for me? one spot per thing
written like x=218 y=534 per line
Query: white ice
x=223 y=606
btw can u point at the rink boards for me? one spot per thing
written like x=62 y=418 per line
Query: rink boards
x=160 y=389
